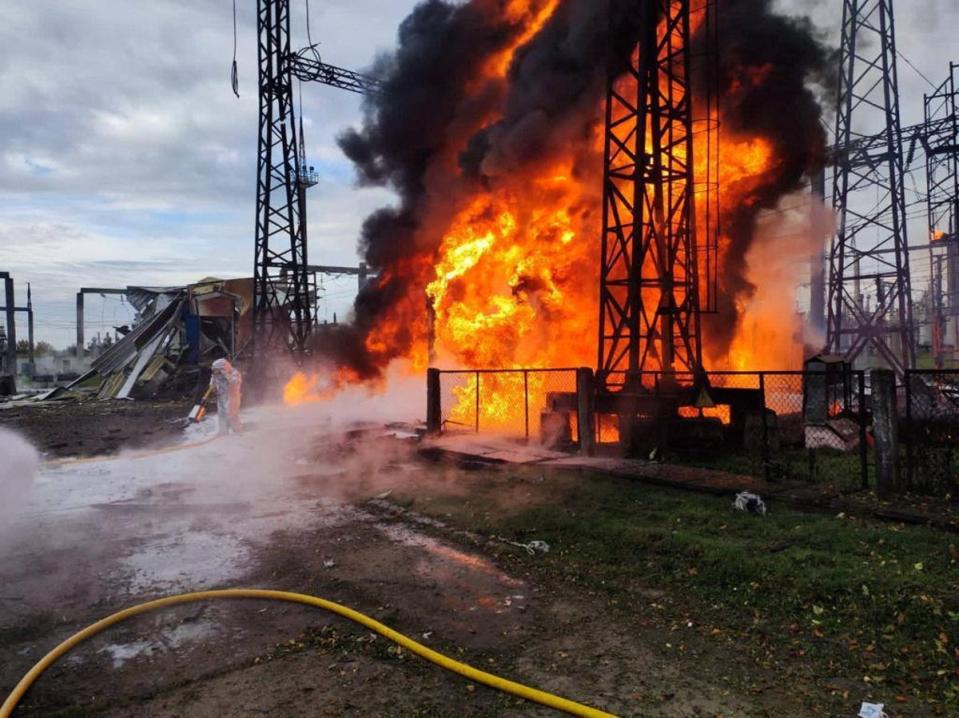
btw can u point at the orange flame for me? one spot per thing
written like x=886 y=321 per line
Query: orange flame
x=302 y=389
x=514 y=280
x=311 y=388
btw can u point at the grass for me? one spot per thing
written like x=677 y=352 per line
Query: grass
x=840 y=469
x=855 y=606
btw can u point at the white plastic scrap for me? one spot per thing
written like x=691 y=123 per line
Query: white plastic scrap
x=873 y=710
x=748 y=501
x=532 y=548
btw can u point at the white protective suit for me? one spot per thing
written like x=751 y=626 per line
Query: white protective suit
x=228 y=383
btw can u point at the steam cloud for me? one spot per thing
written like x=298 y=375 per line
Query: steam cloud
x=442 y=129
x=18 y=468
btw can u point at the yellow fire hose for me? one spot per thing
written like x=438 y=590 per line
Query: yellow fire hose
x=467 y=671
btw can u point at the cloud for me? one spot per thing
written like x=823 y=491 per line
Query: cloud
x=126 y=159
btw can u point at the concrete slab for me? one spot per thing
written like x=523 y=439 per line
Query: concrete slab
x=491 y=448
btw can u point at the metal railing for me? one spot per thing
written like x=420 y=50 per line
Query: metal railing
x=508 y=402
x=930 y=431
x=807 y=426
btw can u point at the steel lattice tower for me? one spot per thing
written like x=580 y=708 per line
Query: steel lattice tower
x=281 y=300
x=940 y=139
x=649 y=291
x=869 y=286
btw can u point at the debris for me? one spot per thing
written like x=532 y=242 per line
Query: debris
x=384 y=495
x=329 y=563
x=532 y=548
x=750 y=502
x=179 y=329
x=873 y=710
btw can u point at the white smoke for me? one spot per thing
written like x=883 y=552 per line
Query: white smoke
x=19 y=463
x=773 y=326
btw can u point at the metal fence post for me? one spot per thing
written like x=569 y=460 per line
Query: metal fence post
x=585 y=413
x=477 y=401
x=863 y=449
x=910 y=431
x=765 y=452
x=885 y=422
x=434 y=405
x=526 y=399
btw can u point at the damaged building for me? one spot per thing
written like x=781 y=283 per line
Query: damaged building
x=178 y=331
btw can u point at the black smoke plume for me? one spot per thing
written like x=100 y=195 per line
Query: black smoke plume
x=769 y=66
x=428 y=135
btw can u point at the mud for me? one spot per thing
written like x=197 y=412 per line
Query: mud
x=98 y=536
x=90 y=428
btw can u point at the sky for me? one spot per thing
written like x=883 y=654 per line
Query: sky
x=125 y=158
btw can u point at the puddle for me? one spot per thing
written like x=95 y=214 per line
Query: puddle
x=167 y=639
x=191 y=558
x=121 y=653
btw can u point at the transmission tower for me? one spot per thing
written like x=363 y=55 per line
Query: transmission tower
x=281 y=297
x=649 y=286
x=283 y=289
x=869 y=287
x=940 y=140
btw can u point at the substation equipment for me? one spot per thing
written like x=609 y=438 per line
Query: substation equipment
x=8 y=336
x=658 y=268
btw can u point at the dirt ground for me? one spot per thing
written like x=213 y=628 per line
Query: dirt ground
x=98 y=536
x=348 y=518
x=91 y=428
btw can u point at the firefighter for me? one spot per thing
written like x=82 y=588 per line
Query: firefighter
x=227 y=382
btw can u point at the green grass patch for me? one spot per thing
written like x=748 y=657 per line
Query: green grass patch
x=821 y=466
x=874 y=603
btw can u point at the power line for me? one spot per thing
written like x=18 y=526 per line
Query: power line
x=916 y=69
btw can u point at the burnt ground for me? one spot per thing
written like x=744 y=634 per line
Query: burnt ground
x=415 y=544
x=90 y=428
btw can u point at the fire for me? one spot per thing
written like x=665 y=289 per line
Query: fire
x=314 y=387
x=722 y=412
x=503 y=269
x=302 y=389
x=509 y=290
x=531 y=15
x=607 y=428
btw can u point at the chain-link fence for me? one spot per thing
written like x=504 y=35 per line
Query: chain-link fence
x=783 y=426
x=930 y=432
x=819 y=428
x=805 y=426
x=529 y=404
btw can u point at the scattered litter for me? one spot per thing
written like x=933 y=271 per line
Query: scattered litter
x=384 y=495
x=426 y=636
x=750 y=502
x=532 y=548
x=873 y=710
x=329 y=563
